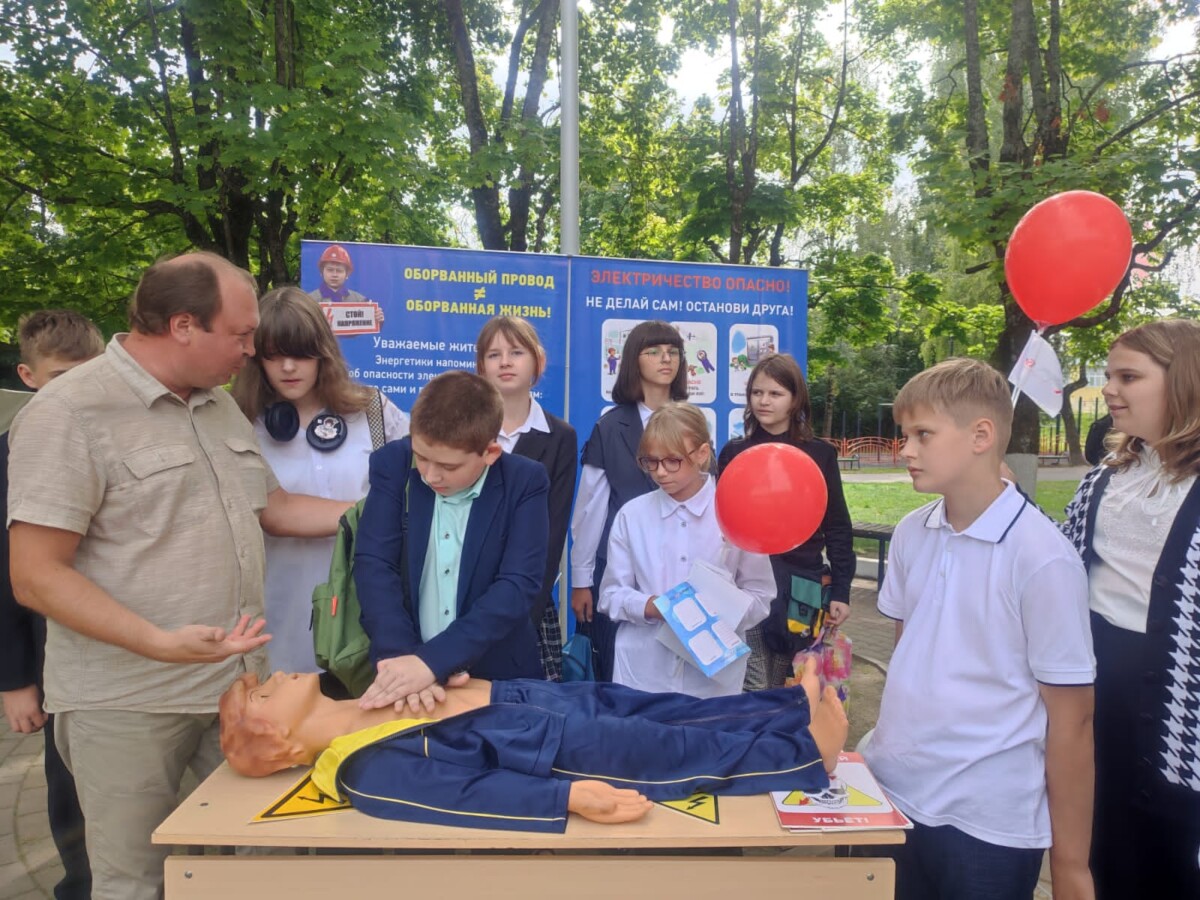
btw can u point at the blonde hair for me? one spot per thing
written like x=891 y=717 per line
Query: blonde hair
x=1173 y=344
x=291 y=323
x=57 y=332
x=517 y=331
x=964 y=390
x=672 y=427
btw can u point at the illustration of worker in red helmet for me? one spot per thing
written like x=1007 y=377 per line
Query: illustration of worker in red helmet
x=335 y=267
x=354 y=313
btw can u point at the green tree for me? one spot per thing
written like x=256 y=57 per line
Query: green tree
x=1033 y=98
x=133 y=130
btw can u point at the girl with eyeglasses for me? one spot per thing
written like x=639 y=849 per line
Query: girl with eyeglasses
x=317 y=429
x=655 y=539
x=652 y=372
x=778 y=411
x=509 y=354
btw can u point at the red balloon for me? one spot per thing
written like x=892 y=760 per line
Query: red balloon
x=1066 y=255
x=771 y=498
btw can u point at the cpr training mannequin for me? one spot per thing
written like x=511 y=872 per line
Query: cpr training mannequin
x=519 y=755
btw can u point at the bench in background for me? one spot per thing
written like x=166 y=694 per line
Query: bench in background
x=882 y=535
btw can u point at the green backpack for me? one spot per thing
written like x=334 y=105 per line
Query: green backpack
x=341 y=645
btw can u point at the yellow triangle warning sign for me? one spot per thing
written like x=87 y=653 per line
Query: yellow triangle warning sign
x=302 y=799
x=698 y=806
x=855 y=797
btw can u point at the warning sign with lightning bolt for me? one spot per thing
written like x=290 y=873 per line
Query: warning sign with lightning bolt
x=302 y=799
x=698 y=806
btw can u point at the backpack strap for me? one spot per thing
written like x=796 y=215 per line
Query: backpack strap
x=375 y=421
x=405 y=591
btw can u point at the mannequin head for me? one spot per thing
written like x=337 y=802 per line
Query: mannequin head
x=261 y=723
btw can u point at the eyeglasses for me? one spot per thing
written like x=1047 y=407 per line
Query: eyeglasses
x=662 y=353
x=650 y=464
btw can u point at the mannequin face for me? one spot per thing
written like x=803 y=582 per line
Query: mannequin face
x=259 y=722
x=284 y=700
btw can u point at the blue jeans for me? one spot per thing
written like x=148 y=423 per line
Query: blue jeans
x=943 y=863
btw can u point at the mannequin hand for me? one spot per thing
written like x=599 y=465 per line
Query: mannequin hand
x=581 y=603
x=603 y=803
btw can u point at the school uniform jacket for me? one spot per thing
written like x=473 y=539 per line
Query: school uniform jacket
x=503 y=564
x=556 y=451
x=509 y=765
x=1168 y=731
x=613 y=447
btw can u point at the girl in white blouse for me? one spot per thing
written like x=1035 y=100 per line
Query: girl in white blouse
x=654 y=541
x=1136 y=520
x=317 y=429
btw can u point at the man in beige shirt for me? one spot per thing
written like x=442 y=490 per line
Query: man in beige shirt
x=136 y=495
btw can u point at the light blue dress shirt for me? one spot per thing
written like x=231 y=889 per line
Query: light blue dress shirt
x=443 y=558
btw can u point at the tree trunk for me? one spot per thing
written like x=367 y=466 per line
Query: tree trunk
x=977 y=135
x=1070 y=424
x=737 y=131
x=830 y=399
x=521 y=194
x=485 y=195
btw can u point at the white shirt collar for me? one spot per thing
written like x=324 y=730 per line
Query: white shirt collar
x=993 y=523
x=535 y=421
x=697 y=504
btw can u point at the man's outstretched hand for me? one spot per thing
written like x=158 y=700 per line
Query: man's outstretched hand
x=210 y=644
x=603 y=803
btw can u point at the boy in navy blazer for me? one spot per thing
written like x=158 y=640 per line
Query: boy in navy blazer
x=450 y=550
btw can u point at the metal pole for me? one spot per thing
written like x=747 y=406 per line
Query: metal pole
x=568 y=90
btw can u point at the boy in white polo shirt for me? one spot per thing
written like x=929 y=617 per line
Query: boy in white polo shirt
x=985 y=730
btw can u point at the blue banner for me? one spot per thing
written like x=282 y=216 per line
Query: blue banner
x=729 y=317
x=406 y=314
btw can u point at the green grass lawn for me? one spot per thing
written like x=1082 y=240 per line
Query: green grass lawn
x=888 y=503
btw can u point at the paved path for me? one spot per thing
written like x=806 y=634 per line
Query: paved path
x=29 y=866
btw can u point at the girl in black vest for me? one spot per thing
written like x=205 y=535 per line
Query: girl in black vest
x=509 y=354
x=778 y=411
x=1136 y=521
x=652 y=371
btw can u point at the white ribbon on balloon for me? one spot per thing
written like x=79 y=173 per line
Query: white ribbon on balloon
x=1038 y=374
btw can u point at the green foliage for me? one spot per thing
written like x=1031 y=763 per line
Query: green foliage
x=131 y=131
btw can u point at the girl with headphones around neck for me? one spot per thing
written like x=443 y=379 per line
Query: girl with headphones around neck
x=317 y=429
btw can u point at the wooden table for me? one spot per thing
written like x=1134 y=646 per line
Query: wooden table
x=434 y=862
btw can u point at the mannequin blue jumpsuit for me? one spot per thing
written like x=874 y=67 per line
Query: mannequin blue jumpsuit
x=509 y=765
